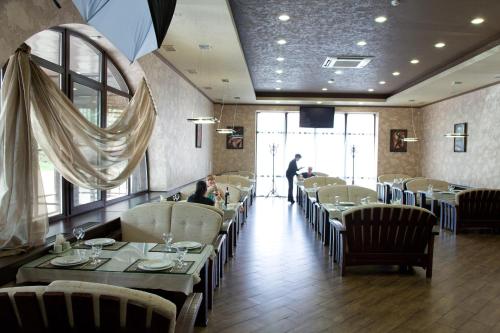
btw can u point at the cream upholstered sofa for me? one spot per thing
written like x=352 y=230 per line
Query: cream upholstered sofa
x=100 y=307
x=346 y=193
x=322 y=181
x=247 y=174
x=187 y=221
x=391 y=176
x=421 y=184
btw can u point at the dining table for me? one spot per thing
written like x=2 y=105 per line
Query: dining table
x=120 y=266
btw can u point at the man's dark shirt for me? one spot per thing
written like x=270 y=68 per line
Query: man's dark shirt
x=292 y=168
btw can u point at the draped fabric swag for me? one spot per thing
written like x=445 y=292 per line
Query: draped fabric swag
x=35 y=112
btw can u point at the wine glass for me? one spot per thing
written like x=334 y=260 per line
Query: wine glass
x=79 y=233
x=181 y=253
x=451 y=188
x=167 y=237
x=95 y=253
x=337 y=200
x=363 y=201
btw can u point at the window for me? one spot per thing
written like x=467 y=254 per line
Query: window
x=85 y=73
x=327 y=150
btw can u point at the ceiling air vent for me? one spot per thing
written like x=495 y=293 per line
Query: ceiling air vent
x=346 y=62
x=169 y=48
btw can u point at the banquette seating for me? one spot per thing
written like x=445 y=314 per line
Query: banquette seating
x=322 y=181
x=387 y=235
x=473 y=209
x=346 y=193
x=187 y=221
x=320 y=174
x=384 y=189
x=73 y=306
x=414 y=190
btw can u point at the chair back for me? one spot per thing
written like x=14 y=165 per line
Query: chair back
x=327 y=194
x=389 y=177
x=146 y=222
x=74 y=306
x=195 y=222
x=388 y=229
x=247 y=174
x=478 y=204
x=350 y=193
x=317 y=173
x=234 y=192
x=322 y=181
x=421 y=184
x=186 y=191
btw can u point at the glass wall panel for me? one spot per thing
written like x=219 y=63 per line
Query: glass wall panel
x=87 y=100
x=115 y=79
x=84 y=59
x=47 y=45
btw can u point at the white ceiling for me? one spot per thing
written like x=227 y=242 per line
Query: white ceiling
x=211 y=22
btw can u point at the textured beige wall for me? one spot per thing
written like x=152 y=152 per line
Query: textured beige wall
x=173 y=158
x=20 y=19
x=479 y=166
x=388 y=118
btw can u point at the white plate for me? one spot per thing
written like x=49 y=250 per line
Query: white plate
x=187 y=244
x=155 y=265
x=69 y=261
x=100 y=241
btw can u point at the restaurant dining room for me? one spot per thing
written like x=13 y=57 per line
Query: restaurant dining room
x=249 y=166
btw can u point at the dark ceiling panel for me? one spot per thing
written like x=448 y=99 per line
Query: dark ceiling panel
x=318 y=29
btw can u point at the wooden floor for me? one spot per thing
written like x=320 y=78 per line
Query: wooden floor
x=282 y=280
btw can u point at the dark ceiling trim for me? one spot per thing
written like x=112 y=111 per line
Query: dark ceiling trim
x=460 y=94
x=166 y=62
x=298 y=95
x=467 y=55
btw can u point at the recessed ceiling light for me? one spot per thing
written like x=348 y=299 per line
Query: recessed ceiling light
x=277 y=88
x=331 y=81
x=361 y=43
x=338 y=72
x=396 y=73
x=278 y=81
x=371 y=90
x=281 y=42
x=414 y=61
x=381 y=82
x=319 y=102
x=75 y=89
x=439 y=45
x=361 y=103
x=324 y=89
x=279 y=71
x=280 y=58
x=381 y=19
x=477 y=20
x=283 y=17
x=278 y=102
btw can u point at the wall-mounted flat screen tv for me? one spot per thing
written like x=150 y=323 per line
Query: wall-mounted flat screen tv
x=316 y=116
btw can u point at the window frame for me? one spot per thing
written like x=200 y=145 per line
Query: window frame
x=68 y=78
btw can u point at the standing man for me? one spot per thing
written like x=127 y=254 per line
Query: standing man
x=290 y=173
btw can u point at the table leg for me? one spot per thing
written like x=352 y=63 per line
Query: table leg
x=202 y=287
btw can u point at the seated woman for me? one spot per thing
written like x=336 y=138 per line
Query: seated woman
x=199 y=195
x=213 y=192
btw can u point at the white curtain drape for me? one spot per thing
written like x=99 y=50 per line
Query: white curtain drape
x=35 y=112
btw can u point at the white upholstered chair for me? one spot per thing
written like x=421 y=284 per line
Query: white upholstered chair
x=100 y=307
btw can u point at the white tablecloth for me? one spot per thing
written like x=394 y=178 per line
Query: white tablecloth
x=113 y=273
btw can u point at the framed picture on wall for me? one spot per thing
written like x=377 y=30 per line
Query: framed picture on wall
x=460 y=144
x=235 y=140
x=198 y=135
x=396 y=143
